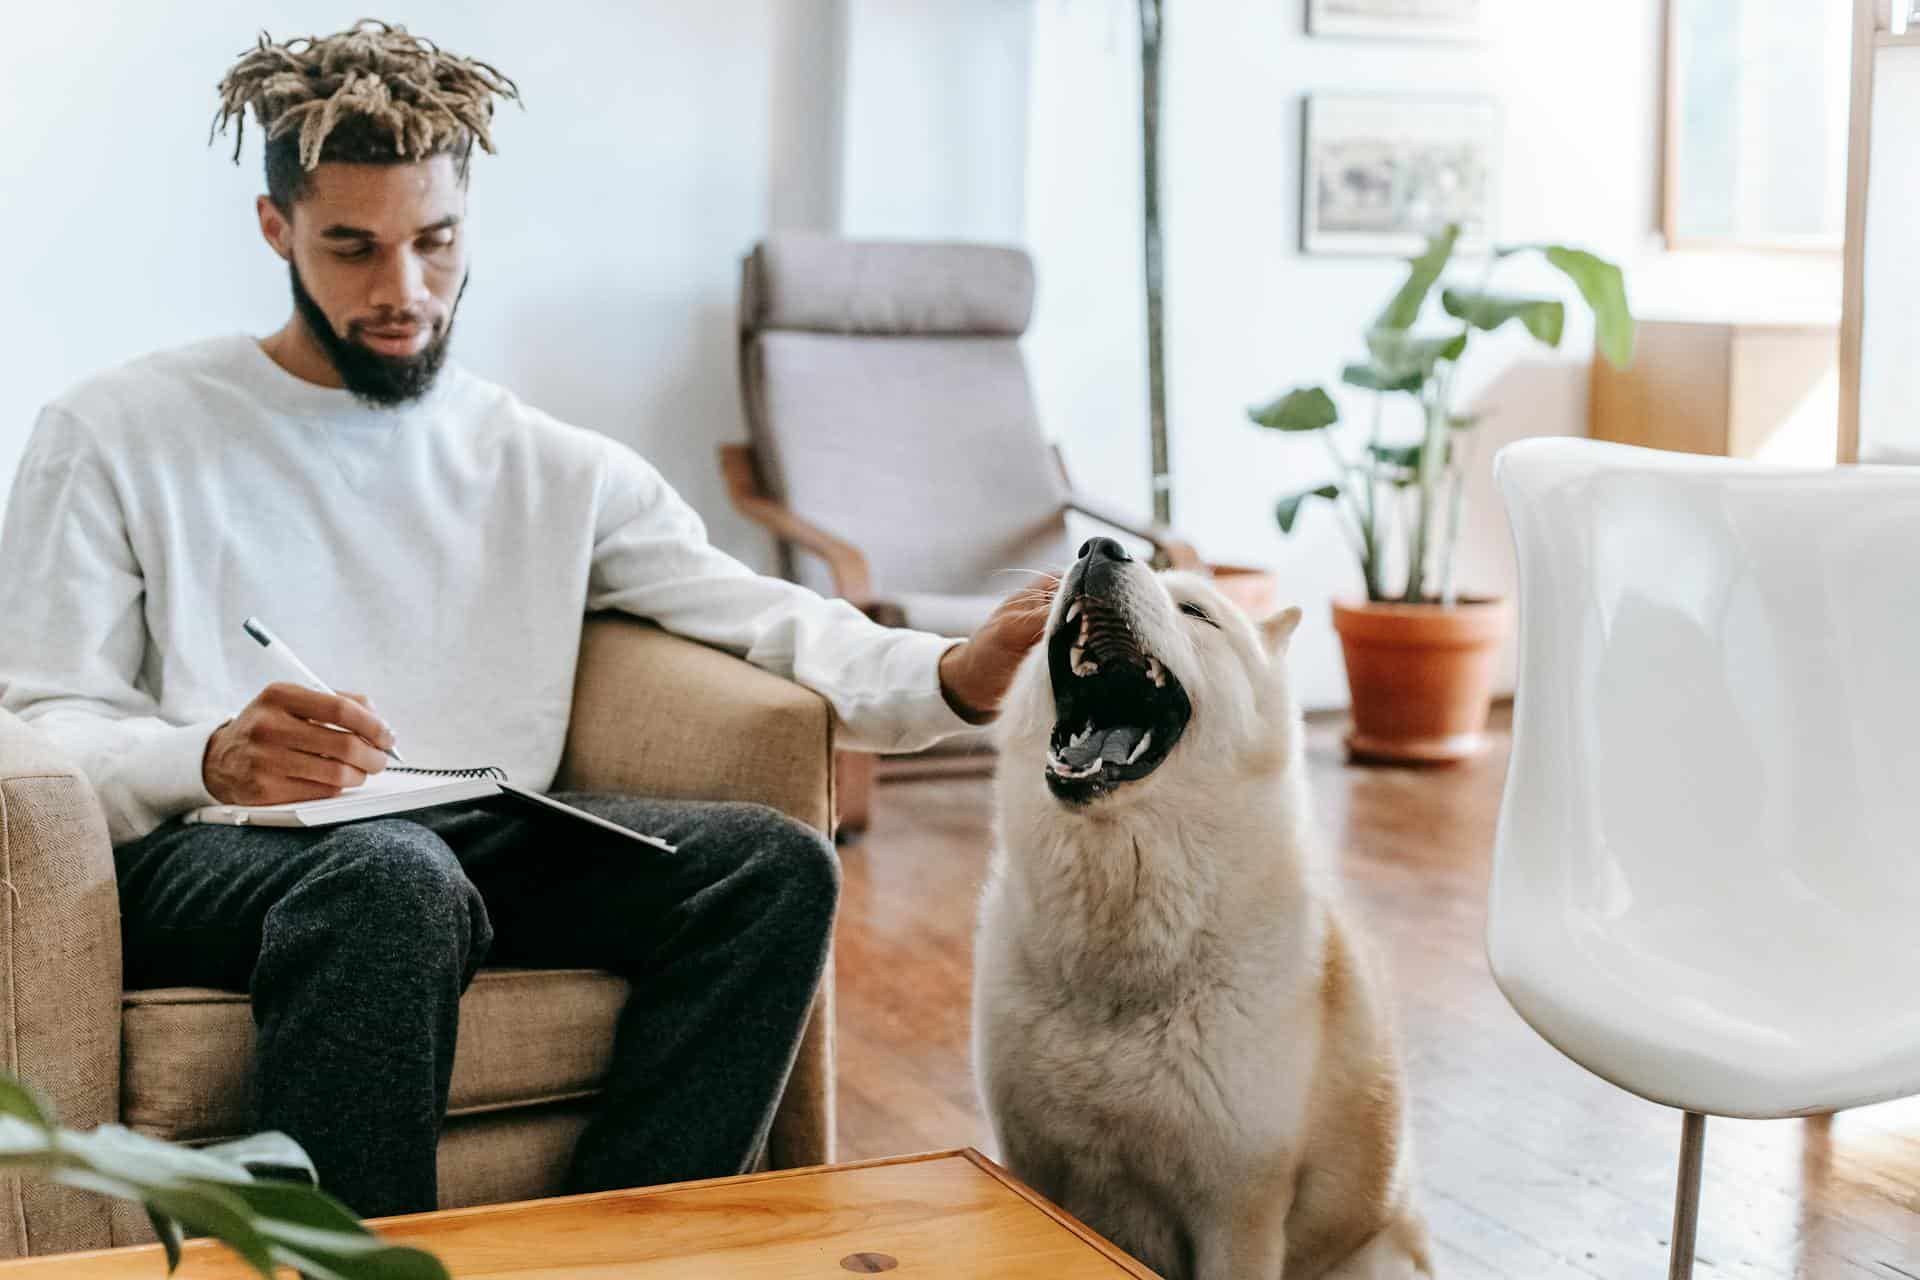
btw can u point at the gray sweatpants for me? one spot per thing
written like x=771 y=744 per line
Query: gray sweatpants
x=355 y=943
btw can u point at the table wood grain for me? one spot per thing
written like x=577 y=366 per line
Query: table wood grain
x=946 y=1214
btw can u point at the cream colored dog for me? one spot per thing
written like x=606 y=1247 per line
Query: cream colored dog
x=1176 y=1033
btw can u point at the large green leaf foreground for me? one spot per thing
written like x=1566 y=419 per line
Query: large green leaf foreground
x=211 y=1191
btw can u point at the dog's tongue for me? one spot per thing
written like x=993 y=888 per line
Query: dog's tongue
x=1112 y=745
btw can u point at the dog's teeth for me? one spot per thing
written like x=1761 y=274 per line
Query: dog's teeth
x=1140 y=748
x=1156 y=672
x=1073 y=611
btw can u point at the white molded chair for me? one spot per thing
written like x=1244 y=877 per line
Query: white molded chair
x=1706 y=881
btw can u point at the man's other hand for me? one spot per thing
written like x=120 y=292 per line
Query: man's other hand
x=284 y=746
x=976 y=673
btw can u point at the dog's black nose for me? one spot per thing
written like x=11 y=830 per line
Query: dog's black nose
x=1104 y=549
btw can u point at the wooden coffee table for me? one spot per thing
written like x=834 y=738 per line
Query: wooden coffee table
x=951 y=1213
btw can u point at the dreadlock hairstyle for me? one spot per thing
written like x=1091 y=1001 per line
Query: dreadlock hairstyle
x=372 y=94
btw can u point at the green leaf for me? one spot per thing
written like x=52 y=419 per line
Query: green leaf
x=118 y=1151
x=19 y=1099
x=267 y=1155
x=329 y=1255
x=1399 y=464
x=22 y=1142
x=1365 y=375
x=99 y=1183
x=207 y=1209
x=170 y=1237
x=303 y=1206
x=313 y=1232
x=1545 y=318
x=209 y=1192
x=1302 y=409
x=1288 y=509
x=1399 y=356
x=1397 y=455
x=1605 y=289
x=1404 y=310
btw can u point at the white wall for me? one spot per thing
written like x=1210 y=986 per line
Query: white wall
x=1248 y=315
x=660 y=140
x=936 y=119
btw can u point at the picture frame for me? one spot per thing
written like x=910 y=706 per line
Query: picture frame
x=1460 y=20
x=1381 y=172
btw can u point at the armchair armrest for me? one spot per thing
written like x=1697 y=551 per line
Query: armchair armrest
x=660 y=715
x=59 y=973
x=852 y=579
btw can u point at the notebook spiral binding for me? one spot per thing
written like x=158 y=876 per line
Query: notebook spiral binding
x=489 y=771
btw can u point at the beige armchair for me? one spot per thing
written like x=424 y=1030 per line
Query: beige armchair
x=652 y=713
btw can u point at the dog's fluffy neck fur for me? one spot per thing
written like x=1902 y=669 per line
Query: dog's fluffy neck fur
x=1148 y=884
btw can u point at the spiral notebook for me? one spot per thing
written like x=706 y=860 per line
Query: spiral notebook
x=404 y=789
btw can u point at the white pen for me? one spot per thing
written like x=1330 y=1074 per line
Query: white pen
x=275 y=646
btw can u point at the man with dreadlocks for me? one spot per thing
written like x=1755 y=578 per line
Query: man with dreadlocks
x=424 y=534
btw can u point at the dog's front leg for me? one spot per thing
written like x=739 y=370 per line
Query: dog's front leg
x=1244 y=1240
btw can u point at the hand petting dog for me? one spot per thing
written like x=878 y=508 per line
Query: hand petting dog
x=976 y=673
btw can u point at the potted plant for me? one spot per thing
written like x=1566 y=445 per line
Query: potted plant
x=238 y=1192
x=1420 y=656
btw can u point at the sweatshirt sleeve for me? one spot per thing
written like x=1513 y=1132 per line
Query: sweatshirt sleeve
x=652 y=559
x=73 y=638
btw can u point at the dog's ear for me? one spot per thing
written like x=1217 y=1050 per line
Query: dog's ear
x=1277 y=630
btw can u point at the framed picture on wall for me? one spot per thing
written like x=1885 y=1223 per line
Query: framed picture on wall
x=1380 y=173
x=1396 y=19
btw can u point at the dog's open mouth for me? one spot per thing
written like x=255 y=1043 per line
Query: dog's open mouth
x=1118 y=711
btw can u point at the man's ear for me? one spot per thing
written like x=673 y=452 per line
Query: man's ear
x=1277 y=630
x=275 y=227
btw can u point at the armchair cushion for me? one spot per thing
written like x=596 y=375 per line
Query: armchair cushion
x=527 y=1036
x=658 y=715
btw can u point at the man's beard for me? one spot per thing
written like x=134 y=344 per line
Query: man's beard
x=382 y=381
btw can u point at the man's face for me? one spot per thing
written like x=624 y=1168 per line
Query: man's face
x=378 y=259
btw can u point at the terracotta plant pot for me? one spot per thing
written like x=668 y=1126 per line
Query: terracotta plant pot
x=1252 y=589
x=1421 y=676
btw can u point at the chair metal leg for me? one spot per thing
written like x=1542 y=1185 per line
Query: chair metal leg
x=1686 y=1196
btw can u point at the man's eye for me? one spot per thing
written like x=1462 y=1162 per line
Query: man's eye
x=438 y=242
x=352 y=255
x=1193 y=610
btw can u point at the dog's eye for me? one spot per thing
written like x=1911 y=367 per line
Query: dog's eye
x=1193 y=610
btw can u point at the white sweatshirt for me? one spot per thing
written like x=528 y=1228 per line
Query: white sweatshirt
x=438 y=558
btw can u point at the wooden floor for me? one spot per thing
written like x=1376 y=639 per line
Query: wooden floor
x=1529 y=1166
